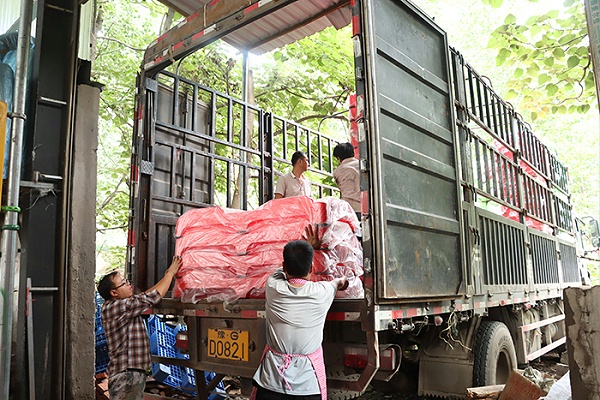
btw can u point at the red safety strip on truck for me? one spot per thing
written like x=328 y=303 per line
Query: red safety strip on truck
x=178 y=45
x=198 y=35
x=343 y=316
x=412 y=312
x=139 y=113
x=249 y=314
x=251 y=8
x=355 y=25
x=162 y=37
x=131 y=237
x=135 y=173
x=191 y=17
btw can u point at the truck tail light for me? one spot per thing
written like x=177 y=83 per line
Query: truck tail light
x=357 y=357
x=181 y=341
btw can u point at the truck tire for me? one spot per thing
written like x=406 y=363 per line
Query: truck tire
x=495 y=355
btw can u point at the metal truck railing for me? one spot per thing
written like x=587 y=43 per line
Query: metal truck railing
x=198 y=147
x=511 y=169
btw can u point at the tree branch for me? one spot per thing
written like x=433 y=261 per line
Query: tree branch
x=120 y=42
x=112 y=194
x=112 y=228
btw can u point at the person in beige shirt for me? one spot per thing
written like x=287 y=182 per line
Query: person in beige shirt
x=347 y=175
x=294 y=183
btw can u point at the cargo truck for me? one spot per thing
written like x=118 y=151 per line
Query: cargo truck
x=468 y=233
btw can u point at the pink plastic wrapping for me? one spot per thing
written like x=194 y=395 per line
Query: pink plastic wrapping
x=229 y=254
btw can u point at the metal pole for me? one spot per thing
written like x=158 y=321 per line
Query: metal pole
x=8 y=242
x=245 y=76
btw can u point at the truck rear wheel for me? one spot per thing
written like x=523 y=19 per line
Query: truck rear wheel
x=495 y=355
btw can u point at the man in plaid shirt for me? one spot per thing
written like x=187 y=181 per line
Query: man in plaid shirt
x=126 y=336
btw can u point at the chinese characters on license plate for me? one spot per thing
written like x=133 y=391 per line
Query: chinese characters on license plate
x=228 y=344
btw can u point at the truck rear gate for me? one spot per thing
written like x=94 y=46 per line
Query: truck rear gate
x=409 y=143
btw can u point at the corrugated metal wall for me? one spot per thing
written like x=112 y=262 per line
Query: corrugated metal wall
x=9 y=13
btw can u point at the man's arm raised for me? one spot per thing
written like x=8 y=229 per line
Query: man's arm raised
x=163 y=285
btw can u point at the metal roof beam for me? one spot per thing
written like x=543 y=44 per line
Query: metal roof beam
x=210 y=23
x=300 y=24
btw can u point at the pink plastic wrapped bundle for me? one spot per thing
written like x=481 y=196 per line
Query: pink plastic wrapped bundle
x=228 y=254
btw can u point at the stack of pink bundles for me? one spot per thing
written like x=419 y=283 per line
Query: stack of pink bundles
x=229 y=254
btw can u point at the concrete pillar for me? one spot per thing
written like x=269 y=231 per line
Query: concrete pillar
x=581 y=319
x=81 y=250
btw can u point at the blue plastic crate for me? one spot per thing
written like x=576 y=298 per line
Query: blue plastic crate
x=189 y=384
x=163 y=344
x=102 y=357
x=97 y=316
x=151 y=323
x=100 y=336
x=160 y=372
x=170 y=375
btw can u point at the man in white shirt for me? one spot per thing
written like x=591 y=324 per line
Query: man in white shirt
x=347 y=175
x=292 y=363
x=294 y=183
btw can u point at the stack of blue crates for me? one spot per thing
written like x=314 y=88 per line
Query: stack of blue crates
x=162 y=344
x=101 y=346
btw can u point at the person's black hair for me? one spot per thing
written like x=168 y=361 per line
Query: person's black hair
x=297 y=156
x=343 y=151
x=106 y=284
x=297 y=258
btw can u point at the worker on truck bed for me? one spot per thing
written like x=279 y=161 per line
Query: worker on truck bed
x=346 y=175
x=294 y=183
x=292 y=362
x=126 y=336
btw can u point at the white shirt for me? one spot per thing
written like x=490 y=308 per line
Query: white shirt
x=289 y=185
x=295 y=320
x=347 y=177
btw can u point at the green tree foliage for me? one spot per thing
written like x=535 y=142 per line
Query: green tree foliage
x=305 y=81
x=117 y=59
x=549 y=59
x=308 y=82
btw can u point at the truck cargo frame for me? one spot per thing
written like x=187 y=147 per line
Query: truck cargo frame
x=440 y=154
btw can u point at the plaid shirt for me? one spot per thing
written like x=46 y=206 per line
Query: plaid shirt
x=126 y=335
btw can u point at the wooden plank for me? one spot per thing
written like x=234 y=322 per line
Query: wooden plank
x=485 y=392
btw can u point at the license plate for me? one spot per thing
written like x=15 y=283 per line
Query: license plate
x=228 y=344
